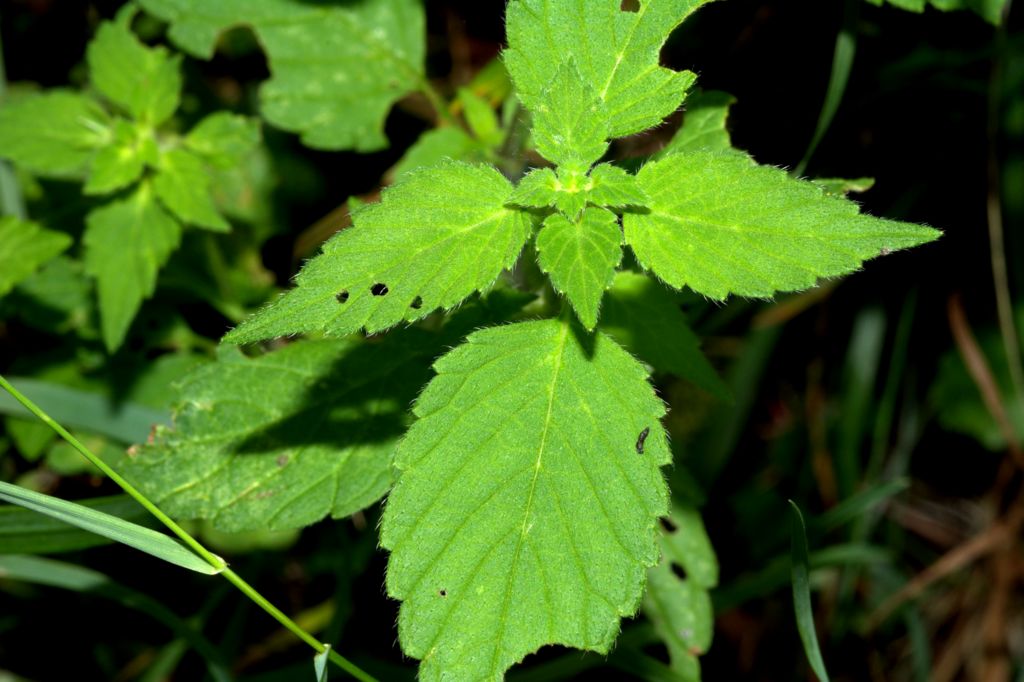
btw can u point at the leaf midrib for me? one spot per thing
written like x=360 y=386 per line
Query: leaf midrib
x=559 y=358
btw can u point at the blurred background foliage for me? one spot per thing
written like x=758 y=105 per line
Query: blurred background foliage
x=884 y=404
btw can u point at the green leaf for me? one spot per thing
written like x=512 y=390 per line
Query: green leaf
x=704 y=124
x=680 y=609
x=183 y=185
x=435 y=238
x=437 y=145
x=570 y=190
x=126 y=243
x=481 y=118
x=802 y=594
x=144 y=81
x=138 y=537
x=616 y=51
x=335 y=69
x=568 y=125
x=990 y=10
x=580 y=257
x=722 y=225
x=646 y=319
x=26 y=532
x=121 y=161
x=534 y=441
x=24 y=247
x=613 y=187
x=224 y=139
x=537 y=189
x=283 y=440
x=52 y=134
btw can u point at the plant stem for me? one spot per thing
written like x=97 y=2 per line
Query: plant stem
x=185 y=537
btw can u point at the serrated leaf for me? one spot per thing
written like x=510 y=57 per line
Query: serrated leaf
x=568 y=124
x=24 y=247
x=126 y=243
x=720 y=224
x=183 y=185
x=529 y=445
x=285 y=439
x=536 y=189
x=616 y=51
x=645 y=318
x=614 y=187
x=435 y=238
x=119 y=163
x=144 y=81
x=704 y=124
x=224 y=139
x=680 y=607
x=52 y=134
x=335 y=69
x=569 y=190
x=580 y=257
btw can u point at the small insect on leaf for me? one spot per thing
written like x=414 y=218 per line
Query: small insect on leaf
x=640 y=440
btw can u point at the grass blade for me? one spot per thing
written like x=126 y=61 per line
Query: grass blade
x=23 y=531
x=131 y=534
x=802 y=595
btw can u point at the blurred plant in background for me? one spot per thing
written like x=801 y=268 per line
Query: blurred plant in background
x=889 y=407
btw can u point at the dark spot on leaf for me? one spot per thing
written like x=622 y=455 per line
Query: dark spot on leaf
x=668 y=524
x=379 y=289
x=417 y=303
x=342 y=296
x=630 y=6
x=282 y=460
x=443 y=593
x=678 y=570
x=640 y=440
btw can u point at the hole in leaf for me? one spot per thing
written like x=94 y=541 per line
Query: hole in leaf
x=443 y=593
x=668 y=524
x=630 y=6
x=678 y=570
x=379 y=289
x=641 y=439
x=417 y=303
x=342 y=296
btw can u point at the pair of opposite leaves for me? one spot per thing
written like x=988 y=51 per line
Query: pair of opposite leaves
x=525 y=512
